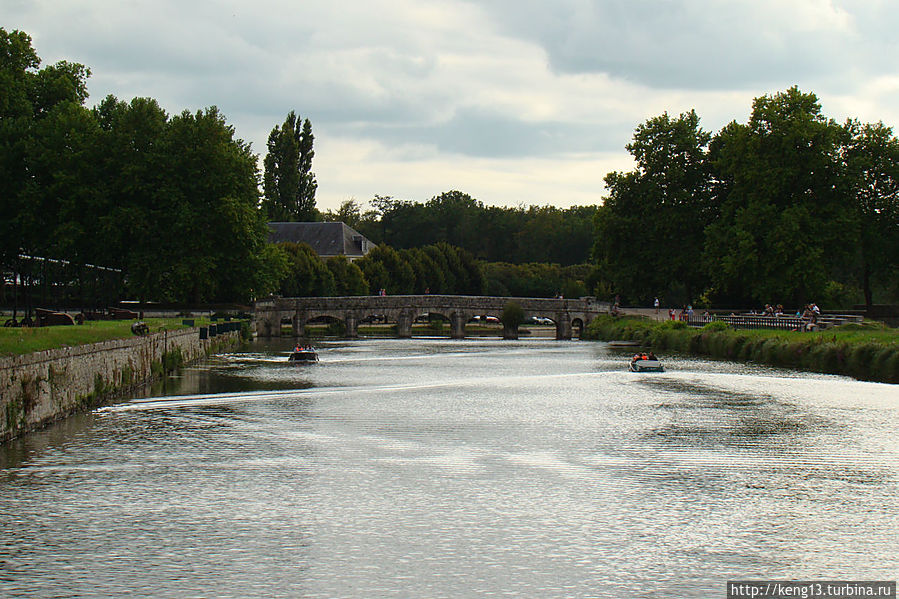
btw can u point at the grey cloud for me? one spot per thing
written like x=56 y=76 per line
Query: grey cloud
x=484 y=133
x=703 y=44
x=355 y=74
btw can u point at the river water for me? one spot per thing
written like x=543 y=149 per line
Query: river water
x=439 y=468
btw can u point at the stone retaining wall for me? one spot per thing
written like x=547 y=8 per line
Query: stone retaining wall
x=38 y=388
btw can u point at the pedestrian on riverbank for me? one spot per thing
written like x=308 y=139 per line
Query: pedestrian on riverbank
x=657 y=305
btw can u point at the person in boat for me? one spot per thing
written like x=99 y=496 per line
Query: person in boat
x=652 y=356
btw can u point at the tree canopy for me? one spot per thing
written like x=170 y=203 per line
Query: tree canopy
x=782 y=203
x=650 y=231
x=289 y=183
x=790 y=208
x=170 y=201
x=491 y=233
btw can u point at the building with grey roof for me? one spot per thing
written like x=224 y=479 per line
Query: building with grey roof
x=327 y=239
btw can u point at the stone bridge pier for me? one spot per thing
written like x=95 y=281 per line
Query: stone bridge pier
x=457 y=325
x=402 y=310
x=563 y=326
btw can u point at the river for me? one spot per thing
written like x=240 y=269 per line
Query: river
x=440 y=468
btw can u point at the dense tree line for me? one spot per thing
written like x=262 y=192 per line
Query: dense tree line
x=538 y=279
x=437 y=268
x=171 y=201
x=787 y=208
x=492 y=234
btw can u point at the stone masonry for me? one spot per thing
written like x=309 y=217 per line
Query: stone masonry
x=38 y=388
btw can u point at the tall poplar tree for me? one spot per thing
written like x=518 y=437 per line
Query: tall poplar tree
x=289 y=184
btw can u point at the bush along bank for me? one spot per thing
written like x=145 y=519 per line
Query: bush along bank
x=868 y=352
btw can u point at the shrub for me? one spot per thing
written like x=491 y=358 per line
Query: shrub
x=716 y=325
x=513 y=314
x=715 y=343
x=734 y=345
x=891 y=367
x=859 y=358
x=172 y=360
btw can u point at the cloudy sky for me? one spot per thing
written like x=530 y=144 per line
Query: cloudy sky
x=512 y=101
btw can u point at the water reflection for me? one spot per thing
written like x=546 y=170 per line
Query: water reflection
x=455 y=468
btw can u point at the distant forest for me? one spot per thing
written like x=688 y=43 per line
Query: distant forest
x=790 y=207
x=493 y=234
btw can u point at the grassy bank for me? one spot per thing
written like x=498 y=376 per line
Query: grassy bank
x=24 y=340
x=867 y=352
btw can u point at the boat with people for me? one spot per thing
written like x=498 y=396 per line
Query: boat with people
x=643 y=362
x=303 y=354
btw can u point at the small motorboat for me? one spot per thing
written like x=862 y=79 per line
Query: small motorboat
x=303 y=355
x=646 y=365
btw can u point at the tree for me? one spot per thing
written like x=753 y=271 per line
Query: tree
x=27 y=97
x=62 y=189
x=136 y=191
x=454 y=268
x=180 y=204
x=513 y=314
x=400 y=276
x=376 y=274
x=783 y=209
x=349 y=213
x=535 y=234
x=650 y=231
x=448 y=273
x=214 y=235
x=289 y=184
x=474 y=273
x=348 y=277
x=872 y=157
x=18 y=60
x=307 y=275
x=428 y=274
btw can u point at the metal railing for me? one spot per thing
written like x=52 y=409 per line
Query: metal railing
x=750 y=321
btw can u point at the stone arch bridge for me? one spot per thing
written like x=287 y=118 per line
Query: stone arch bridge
x=567 y=314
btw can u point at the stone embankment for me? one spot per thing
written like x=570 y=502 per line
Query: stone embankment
x=39 y=388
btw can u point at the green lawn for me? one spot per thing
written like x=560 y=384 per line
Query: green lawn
x=16 y=341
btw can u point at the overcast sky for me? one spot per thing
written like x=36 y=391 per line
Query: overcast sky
x=512 y=101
